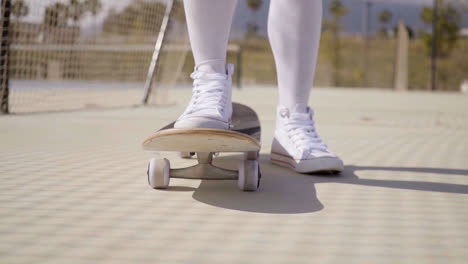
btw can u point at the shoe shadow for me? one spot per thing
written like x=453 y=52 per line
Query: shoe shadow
x=283 y=191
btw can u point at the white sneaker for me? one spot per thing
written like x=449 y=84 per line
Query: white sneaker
x=211 y=103
x=298 y=146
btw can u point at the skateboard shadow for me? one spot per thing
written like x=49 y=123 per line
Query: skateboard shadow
x=283 y=191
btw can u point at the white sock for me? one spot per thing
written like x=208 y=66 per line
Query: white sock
x=294 y=32
x=209 y=23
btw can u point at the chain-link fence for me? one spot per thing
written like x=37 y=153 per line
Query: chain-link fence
x=77 y=54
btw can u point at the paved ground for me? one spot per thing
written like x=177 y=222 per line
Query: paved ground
x=74 y=188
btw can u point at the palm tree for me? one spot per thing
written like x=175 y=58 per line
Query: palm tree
x=446 y=20
x=337 y=10
x=56 y=15
x=384 y=18
x=19 y=9
x=94 y=7
x=75 y=11
x=252 y=27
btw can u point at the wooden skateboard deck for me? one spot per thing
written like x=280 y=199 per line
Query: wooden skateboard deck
x=244 y=135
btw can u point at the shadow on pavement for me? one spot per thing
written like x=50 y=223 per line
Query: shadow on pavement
x=283 y=191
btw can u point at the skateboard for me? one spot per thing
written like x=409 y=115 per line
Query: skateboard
x=243 y=136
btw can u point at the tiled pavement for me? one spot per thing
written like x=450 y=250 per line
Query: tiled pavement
x=74 y=188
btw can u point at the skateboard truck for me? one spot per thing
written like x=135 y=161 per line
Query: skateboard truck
x=244 y=136
x=204 y=170
x=247 y=176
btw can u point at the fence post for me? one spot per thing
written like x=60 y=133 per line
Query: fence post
x=157 y=50
x=4 y=55
x=400 y=81
x=239 y=68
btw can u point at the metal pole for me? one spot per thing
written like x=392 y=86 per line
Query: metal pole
x=239 y=68
x=4 y=55
x=157 y=51
x=434 y=46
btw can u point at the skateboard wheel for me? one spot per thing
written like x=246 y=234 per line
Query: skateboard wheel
x=186 y=154
x=158 y=173
x=249 y=175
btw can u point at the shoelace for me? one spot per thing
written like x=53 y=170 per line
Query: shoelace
x=301 y=130
x=208 y=91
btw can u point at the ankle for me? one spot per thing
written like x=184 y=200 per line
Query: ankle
x=212 y=66
x=293 y=107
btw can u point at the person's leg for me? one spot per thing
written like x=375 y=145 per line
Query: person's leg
x=294 y=31
x=209 y=23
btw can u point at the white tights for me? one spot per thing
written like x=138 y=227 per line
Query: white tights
x=293 y=29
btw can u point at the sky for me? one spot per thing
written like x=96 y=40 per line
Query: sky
x=408 y=10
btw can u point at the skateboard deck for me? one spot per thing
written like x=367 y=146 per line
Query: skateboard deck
x=244 y=135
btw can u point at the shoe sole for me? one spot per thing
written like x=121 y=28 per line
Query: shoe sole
x=325 y=164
